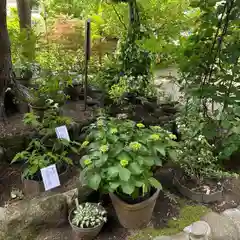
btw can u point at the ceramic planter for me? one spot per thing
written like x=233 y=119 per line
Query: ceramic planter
x=84 y=233
x=196 y=196
x=134 y=216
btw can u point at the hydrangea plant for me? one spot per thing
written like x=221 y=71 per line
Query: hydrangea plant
x=121 y=154
x=88 y=215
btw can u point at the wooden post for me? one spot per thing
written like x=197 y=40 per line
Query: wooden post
x=87 y=58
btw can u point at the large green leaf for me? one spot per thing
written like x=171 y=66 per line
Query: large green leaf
x=94 y=181
x=124 y=173
x=124 y=156
x=127 y=188
x=113 y=172
x=100 y=162
x=114 y=185
x=135 y=168
x=155 y=183
x=148 y=161
x=160 y=149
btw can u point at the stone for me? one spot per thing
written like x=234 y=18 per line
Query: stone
x=163 y=238
x=70 y=197
x=198 y=230
x=234 y=215
x=180 y=236
x=63 y=233
x=24 y=219
x=222 y=227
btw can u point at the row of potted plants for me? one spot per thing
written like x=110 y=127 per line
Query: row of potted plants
x=119 y=158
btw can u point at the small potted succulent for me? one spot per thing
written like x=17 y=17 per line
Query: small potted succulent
x=87 y=220
x=120 y=157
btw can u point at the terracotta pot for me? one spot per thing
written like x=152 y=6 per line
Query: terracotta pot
x=196 y=196
x=133 y=216
x=84 y=233
x=32 y=188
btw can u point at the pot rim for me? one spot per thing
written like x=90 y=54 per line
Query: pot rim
x=85 y=229
x=177 y=177
x=140 y=205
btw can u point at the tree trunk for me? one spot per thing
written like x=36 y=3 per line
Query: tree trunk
x=5 y=57
x=24 y=13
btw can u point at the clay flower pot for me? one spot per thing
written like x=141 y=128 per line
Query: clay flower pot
x=196 y=196
x=134 y=216
x=84 y=233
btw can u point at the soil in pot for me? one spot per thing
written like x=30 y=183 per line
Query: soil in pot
x=207 y=186
x=131 y=215
x=206 y=191
x=83 y=233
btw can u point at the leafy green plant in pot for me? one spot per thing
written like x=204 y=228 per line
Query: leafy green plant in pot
x=36 y=157
x=120 y=156
x=87 y=220
x=201 y=173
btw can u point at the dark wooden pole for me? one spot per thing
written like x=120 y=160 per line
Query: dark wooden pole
x=87 y=58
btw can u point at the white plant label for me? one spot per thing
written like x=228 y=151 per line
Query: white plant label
x=62 y=133
x=50 y=177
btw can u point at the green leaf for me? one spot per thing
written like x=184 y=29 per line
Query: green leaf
x=124 y=155
x=124 y=173
x=155 y=183
x=148 y=161
x=113 y=172
x=158 y=162
x=173 y=155
x=114 y=185
x=94 y=181
x=135 y=168
x=139 y=183
x=127 y=188
x=160 y=149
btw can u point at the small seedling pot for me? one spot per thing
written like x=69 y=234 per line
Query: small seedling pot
x=196 y=196
x=84 y=233
x=134 y=216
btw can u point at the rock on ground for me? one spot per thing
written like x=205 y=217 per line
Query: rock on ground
x=234 y=215
x=23 y=220
x=222 y=227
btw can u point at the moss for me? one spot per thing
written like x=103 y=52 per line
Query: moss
x=187 y=215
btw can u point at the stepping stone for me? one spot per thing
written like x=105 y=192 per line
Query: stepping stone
x=234 y=215
x=180 y=236
x=163 y=238
x=222 y=227
x=198 y=230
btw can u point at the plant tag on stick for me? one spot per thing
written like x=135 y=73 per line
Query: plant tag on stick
x=50 y=177
x=62 y=133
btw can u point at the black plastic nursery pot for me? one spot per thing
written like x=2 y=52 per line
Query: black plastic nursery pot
x=33 y=187
x=193 y=195
x=84 y=233
x=134 y=216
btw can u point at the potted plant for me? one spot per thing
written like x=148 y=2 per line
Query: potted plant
x=200 y=174
x=120 y=156
x=36 y=157
x=87 y=220
x=45 y=93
